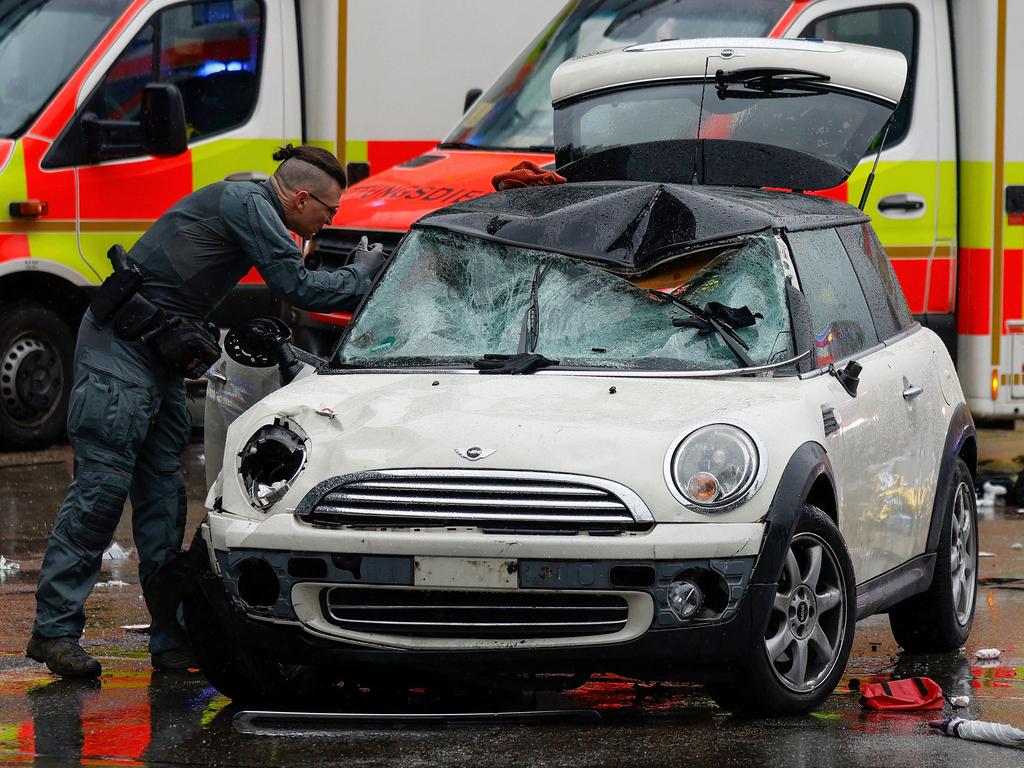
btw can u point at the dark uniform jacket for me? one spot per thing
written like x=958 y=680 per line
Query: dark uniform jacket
x=197 y=252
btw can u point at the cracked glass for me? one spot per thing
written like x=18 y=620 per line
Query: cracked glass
x=449 y=299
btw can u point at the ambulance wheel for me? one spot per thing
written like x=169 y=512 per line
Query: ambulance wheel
x=940 y=619
x=36 y=352
x=807 y=641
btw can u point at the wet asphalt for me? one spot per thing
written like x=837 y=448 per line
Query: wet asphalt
x=133 y=716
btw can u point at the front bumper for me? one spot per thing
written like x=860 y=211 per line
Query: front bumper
x=296 y=605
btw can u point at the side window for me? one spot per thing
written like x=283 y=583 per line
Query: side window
x=209 y=50
x=840 y=319
x=893 y=27
x=877 y=278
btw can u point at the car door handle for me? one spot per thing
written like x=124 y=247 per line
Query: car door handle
x=902 y=206
x=247 y=176
x=912 y=391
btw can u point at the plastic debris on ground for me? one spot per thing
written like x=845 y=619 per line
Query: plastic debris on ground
x=111 y=583
x=989 y=493
x=1017 y=545
x=116 y=552
x=986 y=554
x=987 y=653
x=960 y=701
x=8 y=566
x=980 y=730
x=142 y=629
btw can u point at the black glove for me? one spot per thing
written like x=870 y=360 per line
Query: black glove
x=370 y=256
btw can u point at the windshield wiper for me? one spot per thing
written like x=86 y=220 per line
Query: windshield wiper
x=719 y=318
x=523 y=362
x=769 y=83
x=531 y=321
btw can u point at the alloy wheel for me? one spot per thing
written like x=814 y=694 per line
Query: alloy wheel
x=808 y=618
x=963 y=545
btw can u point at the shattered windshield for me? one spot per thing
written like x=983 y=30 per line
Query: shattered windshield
x=450 y=299
x=515 y=112
x=41 y=44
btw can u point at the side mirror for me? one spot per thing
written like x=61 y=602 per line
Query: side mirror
x=262 y=342
x=163 y=120
x=471 y=96
x=356 y=172
x=849 y=377
x=160 y=130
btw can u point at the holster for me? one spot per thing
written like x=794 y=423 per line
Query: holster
x=117 y=289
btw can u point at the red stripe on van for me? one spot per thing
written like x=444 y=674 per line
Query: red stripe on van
x=56 y=187
x=131 y=191
x=14 y=247
x=939 y=292
x=789 y=17
x=974 y=288
x=912 y=274
x=1013 y=284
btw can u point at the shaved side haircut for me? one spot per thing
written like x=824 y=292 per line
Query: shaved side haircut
x=307 y=166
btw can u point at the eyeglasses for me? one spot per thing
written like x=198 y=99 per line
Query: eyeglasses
x=331 y=209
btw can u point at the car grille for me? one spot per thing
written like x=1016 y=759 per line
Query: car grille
x=496 y=501
x=335 y=246
x=474 y=615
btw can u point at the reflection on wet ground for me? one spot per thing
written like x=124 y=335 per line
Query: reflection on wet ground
x=135 y=717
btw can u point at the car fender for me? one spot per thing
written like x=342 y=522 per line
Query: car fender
x=961 y=429
x=809 y=462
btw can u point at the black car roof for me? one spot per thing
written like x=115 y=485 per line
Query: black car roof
x=631 y=227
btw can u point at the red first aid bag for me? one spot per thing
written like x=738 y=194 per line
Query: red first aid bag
x=913 y=693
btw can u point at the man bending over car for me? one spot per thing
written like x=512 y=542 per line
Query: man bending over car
x=148 y=328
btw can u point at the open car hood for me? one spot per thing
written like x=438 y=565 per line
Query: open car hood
x=796 y=114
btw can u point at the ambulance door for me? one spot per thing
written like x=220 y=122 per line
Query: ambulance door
x=912 y=203
x=229 y=61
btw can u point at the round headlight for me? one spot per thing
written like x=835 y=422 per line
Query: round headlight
x=714 y=467
x=270 y=462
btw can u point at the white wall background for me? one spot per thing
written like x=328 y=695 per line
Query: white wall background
x=410 y=62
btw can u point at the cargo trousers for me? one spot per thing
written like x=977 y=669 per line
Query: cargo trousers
x=128 y=425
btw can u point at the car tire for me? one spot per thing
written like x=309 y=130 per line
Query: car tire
x=36 y=353
x=939 y=620
x=807 y=640
x=242 y=674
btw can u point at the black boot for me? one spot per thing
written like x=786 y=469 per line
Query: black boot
x=63 y=656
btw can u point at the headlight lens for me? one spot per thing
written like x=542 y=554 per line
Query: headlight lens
x=270 y=462
x=714 y=467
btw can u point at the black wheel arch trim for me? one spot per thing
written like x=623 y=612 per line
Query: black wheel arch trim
x=961 y=429
x=808 y=463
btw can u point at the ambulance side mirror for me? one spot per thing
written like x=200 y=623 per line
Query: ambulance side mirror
x=163 y=120
x=471 y=96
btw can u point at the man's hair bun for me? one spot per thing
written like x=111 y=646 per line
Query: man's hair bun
x=284 y=153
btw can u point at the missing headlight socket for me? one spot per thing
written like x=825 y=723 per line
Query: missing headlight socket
x=270 y=462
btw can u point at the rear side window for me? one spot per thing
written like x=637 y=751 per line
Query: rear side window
x=881 y=286
x=840 y=318
x=209 y=50
x=893 y=27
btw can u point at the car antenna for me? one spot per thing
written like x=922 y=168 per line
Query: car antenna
x=871 y=176
x=700 y=118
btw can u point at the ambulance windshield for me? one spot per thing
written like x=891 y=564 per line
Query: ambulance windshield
x=41 y=44
x=515 y=113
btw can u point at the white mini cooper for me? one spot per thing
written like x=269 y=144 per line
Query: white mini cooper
x=658 y=420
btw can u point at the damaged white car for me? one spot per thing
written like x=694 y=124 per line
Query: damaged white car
x=656 y=421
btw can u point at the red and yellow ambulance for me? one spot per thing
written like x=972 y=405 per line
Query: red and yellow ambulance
x=78 y=172
x=947 y=201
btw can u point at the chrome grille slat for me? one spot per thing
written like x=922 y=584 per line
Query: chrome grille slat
x=462 y=515
x=499 y=500
x=470 y=501
x=419 y=485
x=468 y=614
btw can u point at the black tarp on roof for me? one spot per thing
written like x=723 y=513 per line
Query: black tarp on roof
x=631 y=227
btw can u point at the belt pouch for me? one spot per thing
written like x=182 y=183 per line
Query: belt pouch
x=137 y=315
x=114 y=292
